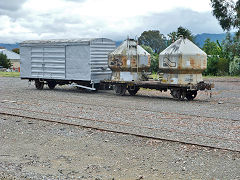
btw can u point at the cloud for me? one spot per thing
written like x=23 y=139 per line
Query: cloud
x=93 y=18
x=11 y=5
x=76 y=1
x=196 y=22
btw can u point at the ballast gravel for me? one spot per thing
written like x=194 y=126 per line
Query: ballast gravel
x=32 y=149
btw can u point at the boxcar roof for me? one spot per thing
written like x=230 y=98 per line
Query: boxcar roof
x=54 y=41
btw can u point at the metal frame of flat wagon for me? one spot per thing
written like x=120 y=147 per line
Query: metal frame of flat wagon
x=178 y=91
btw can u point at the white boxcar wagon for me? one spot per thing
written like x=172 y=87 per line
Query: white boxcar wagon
x=80 y=62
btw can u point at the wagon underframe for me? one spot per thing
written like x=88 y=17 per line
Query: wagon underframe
x=178 y=91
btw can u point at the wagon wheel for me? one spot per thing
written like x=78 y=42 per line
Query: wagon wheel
x=174 y=93
x=181 y=94
x=178 y=94
x=39 y=85
x=191 y=95
x=120 y=89
x=134 y=91
x=51 y=84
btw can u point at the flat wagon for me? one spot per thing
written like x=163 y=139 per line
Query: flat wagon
x=181 y=65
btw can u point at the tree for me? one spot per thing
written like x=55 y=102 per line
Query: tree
x=220 y=56
x=234 y=68
x=212 y=66
x=154 y=63
x=173 y=37
x=223 y=66
x=181 y=31
x=231 y=47
x=227 y=13
x=154 y=39
x=4 y=61
x=236 y=46
x=154 y=59
x=212 y=50
x=16 y=50
x=148 y=49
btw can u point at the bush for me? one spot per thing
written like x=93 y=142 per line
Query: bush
x=4 y=61
x=223 y=67
x=16 y=50
x=154 y=63
x=217 y=66
x=212 y=66
x=234 y=67
x=154 y=67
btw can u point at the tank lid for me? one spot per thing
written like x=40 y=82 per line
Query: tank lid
x=183 y=46
x=129 y=47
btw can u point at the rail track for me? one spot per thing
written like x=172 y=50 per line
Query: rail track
x=162 y=124
x=34 y=115
x=51 y=99
x=169 y=115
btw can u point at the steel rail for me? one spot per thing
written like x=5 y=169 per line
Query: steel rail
x=121 y=124
x=164 y=117
x=117 y=107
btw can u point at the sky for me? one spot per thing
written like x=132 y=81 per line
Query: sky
x=115 y=19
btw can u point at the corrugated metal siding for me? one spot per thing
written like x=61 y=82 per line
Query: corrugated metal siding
x=78 y=62
x=48 y=62
x=82 y=59
x=99 y=50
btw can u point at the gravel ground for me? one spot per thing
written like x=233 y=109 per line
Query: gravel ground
x=212 y=122
x=38 y=150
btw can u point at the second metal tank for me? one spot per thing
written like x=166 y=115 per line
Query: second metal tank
x=182 y=63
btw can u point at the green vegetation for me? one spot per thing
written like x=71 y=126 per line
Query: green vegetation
x=180 y=31
x=4 y=61
x=16 y=50
x=219 y=77
x=153 y=39
x=223 y=58
x=156 y=76
x=154 y=59
x=228 y=14
x=234 y=66
x=9 y=74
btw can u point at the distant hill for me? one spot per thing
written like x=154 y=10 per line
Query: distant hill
x=118 y=43
x=200 y=38
x=9 y=46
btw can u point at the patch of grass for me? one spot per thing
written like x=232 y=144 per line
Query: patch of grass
x=156 y=76
x=9 y=74
x=220 y=77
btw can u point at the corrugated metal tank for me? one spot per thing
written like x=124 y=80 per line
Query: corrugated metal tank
x=129 y=61
x=182 y=63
